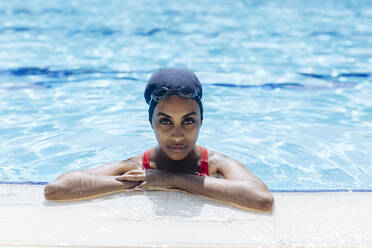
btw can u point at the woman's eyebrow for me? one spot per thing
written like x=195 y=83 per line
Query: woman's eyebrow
x=161 y=113
x=168 y=116
x=191 y=113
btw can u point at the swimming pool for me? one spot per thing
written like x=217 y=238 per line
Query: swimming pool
x=287 y=85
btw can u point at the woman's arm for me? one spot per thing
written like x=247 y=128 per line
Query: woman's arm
x=242 y=187
x=239 y=187
x=240 y=193
x=90 y=183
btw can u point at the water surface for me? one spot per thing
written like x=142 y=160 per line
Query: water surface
x=287 y=84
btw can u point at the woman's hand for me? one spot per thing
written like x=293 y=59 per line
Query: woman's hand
x=151 y=178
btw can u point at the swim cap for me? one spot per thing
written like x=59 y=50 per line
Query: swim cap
x=173 y=79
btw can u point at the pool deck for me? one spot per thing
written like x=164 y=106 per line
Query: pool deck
x=176 y=219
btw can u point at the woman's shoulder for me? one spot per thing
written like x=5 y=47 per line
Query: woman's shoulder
x=138 y=159
x=216 y=157
x=219 y=162
x=133 y=162
x=216 y=160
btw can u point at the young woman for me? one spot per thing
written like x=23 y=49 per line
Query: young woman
x=176 y=115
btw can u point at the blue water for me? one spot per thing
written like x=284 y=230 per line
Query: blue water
x=287 y=84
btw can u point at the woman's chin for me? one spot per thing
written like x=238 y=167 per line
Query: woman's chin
x=177 y=154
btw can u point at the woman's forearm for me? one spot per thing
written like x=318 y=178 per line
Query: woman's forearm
x=235 y=192
x=79 y=185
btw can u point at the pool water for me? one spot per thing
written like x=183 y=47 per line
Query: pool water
x=287 y=85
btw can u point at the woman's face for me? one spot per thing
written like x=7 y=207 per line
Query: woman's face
x=176 y=122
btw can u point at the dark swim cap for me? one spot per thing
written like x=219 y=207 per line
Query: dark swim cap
x=172 y=79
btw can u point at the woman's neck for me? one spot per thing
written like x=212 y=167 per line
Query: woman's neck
x=187 y=165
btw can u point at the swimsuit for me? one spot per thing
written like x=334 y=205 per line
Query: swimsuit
x=203 y=169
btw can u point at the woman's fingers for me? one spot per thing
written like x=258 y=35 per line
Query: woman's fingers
x=149 y=179
x=134 y=172
x=131 y=178
x=133 y=175
x=141 y=186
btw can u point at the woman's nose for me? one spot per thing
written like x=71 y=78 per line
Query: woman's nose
x=177 y=135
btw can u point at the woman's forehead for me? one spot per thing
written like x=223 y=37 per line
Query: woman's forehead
x=175 y=105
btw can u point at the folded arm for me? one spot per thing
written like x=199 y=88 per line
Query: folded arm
x=239 y=187
x=89 y=183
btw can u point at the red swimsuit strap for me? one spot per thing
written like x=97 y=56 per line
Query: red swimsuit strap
x=146 y=160
x=203 y=170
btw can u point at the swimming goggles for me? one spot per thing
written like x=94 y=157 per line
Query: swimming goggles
x=183 y=91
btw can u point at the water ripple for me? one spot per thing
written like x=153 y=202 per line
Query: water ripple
x=287 y=87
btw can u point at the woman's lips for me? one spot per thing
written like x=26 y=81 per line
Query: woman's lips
x=177 y=148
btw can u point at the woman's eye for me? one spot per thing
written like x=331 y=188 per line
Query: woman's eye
x=165 y=122
x=189 y=121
